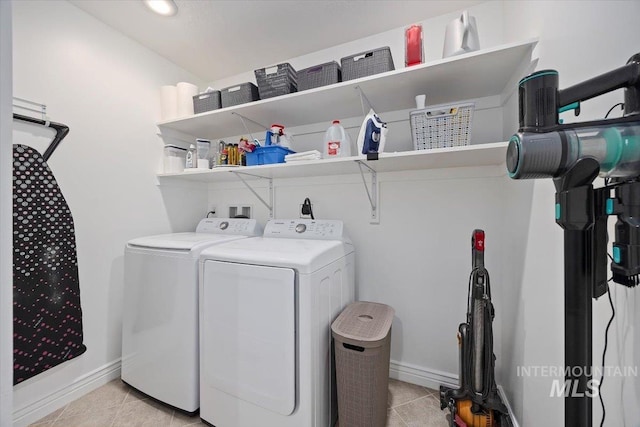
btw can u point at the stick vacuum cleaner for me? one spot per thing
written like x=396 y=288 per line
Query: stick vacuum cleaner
x=574 y=155
x=476 y=403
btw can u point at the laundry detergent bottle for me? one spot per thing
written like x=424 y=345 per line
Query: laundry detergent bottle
x=336 y=142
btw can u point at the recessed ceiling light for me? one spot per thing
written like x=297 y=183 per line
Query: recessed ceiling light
x=162 y=7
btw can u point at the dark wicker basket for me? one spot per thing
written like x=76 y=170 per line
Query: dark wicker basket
x=319 y=75
x=367 y=63
x=207 y=101
x=239 y=94
x=278 y=80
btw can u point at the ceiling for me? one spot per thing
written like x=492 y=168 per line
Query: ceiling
x=214 y=39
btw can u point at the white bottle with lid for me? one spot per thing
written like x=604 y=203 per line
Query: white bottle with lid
x=191 y=157
x=336 y=142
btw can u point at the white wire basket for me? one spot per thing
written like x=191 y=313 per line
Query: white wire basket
x=442 y=126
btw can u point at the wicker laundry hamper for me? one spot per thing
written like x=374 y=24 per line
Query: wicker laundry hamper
x=362 y=337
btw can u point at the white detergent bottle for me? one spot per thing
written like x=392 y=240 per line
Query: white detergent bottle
x=336 y=142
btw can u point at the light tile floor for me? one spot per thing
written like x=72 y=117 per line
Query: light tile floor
x=117 y=405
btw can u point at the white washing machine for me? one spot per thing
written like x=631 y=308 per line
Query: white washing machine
x=266 y=307
x=160 y=315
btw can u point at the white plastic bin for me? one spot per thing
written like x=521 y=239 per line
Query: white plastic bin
x=174 y=159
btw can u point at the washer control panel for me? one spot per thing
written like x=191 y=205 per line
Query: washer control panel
x=236 y=226
x=326 y=229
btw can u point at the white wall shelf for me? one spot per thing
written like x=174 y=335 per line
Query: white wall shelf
x=492 y=154
x=474 y=75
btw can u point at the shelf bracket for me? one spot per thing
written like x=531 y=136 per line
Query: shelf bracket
x=269 y=204
x=243 y=118
x=363 y=98
x=373 y=194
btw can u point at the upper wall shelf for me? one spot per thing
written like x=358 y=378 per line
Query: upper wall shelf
x=474 y=75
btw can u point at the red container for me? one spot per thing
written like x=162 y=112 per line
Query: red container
x=413 y=53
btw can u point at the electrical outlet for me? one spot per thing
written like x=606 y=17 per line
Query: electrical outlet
x=213 y=212
x=240 y=210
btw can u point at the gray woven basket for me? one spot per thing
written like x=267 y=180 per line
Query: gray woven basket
x=278 y=80
x=367 y=63
x=319 y=75
x=239 y=94
x=207 y=101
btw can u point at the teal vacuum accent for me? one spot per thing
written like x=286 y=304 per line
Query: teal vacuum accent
x=616 y=255
x=609 y=207
x=535 y=76
x=568 y=107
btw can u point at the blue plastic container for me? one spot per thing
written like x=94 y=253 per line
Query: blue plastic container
x=267 y=155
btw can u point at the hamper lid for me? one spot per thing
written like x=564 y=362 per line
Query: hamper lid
x=364 y=321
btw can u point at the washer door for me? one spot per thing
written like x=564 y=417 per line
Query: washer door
x=248 y=333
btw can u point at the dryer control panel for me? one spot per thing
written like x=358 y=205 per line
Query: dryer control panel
x=233 y=226
x=327 y=229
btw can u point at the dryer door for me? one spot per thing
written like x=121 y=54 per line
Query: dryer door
x=248 y=333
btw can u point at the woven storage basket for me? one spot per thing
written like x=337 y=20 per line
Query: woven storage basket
x=239 y=94
x=207 y=101
x=319 y=75
x=362 y=338
x=278 y=80
x=442 y=126
x=367 y=63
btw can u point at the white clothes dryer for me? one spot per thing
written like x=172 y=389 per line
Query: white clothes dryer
x=160 y=314
x=266 y=307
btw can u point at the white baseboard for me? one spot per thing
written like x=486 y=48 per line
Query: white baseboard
x=42 y=407
x=434 y=379
x=421 y=376
x=503 y=396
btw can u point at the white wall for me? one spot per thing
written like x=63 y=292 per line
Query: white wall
x=105 y=87
x=487 y=125
x=6 y=282
x=433 y=29
x=580 y=40
x=489 y=18
x=418 y=258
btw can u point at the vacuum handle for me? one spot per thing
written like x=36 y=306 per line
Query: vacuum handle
x=477 y=248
